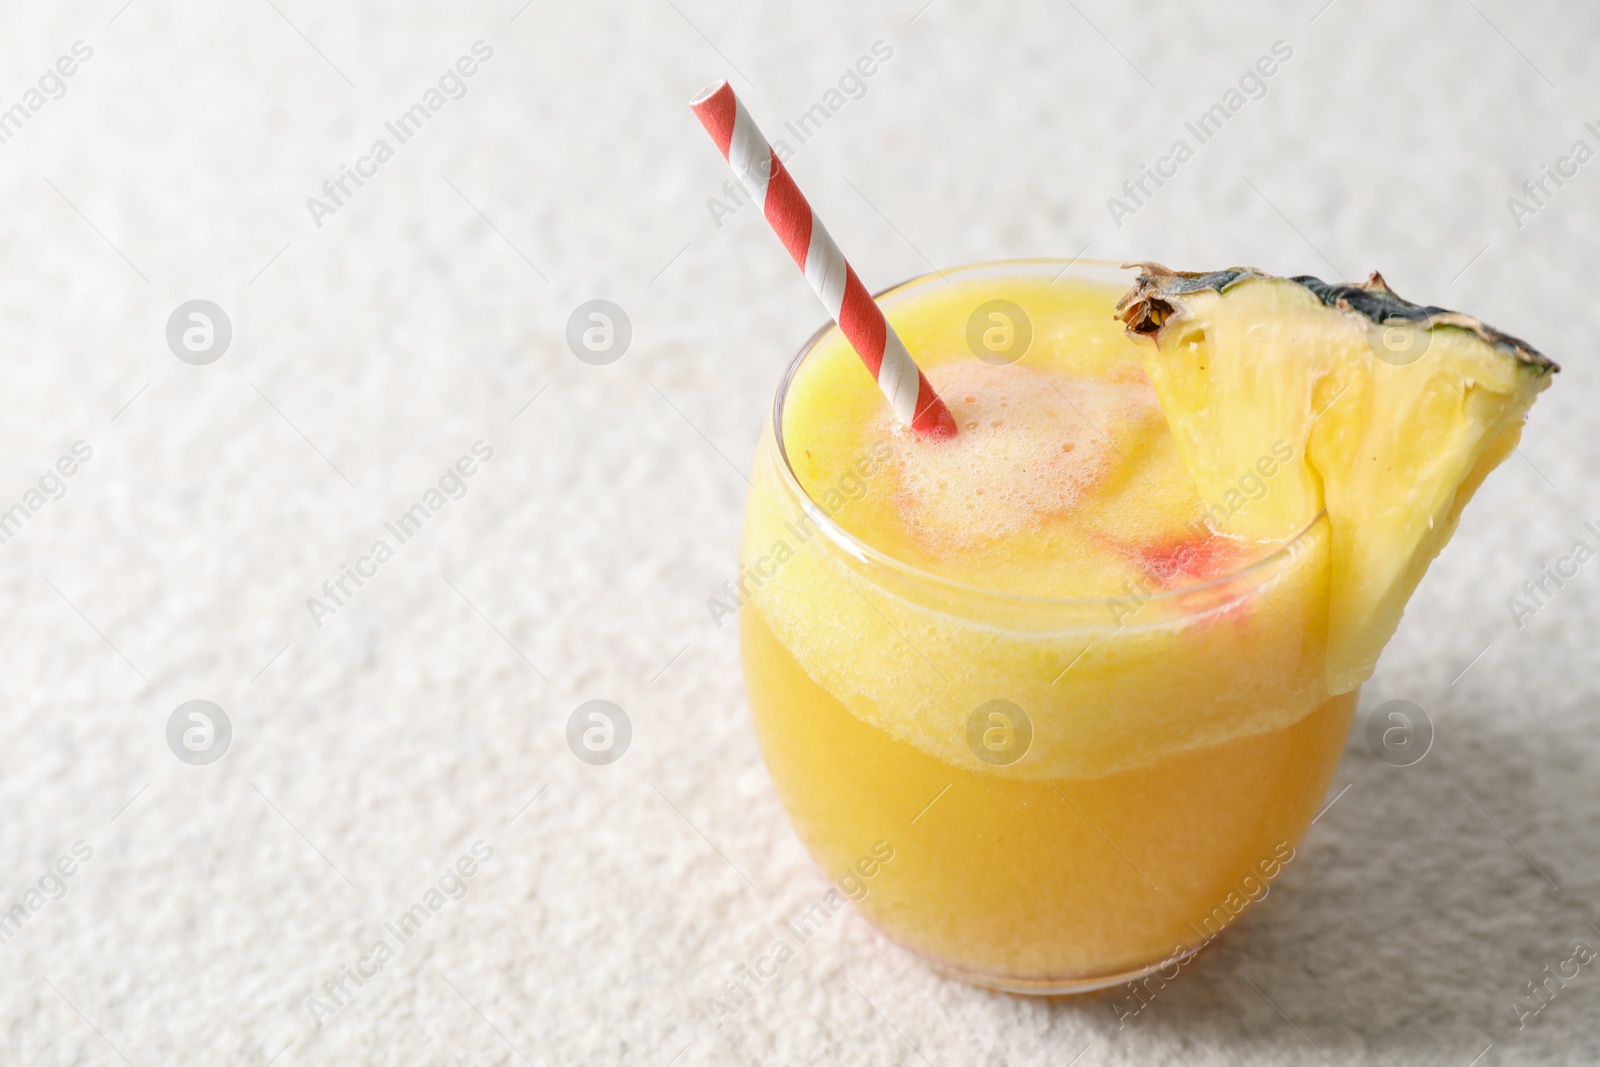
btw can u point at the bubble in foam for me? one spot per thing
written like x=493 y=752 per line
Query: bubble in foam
x=1033 y=443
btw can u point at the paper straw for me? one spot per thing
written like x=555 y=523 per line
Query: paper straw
x=834 y=281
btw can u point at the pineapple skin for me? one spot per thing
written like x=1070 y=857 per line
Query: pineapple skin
x=1159 y=291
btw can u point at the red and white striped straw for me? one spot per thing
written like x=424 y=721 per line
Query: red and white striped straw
x=860 y=319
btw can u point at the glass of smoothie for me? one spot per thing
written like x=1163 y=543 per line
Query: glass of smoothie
x=1017 y=685
x=1059 y=580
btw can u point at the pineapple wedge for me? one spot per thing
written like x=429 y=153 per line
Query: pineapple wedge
x=1391 y=415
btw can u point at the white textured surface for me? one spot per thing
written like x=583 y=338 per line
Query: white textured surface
x=406 y=328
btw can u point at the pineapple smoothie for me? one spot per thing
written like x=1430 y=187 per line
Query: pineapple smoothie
x=1078 y=680
x=1056 y=557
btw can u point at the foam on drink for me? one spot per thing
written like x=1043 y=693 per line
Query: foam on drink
x=1033 y=443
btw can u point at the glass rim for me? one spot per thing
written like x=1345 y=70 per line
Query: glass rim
x=868 y=553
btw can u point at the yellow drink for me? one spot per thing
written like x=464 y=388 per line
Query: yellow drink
x=1089 y=729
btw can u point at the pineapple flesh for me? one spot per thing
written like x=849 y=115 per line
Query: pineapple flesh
x=1391 y=415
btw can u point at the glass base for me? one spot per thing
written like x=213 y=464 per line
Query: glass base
x=1056 y=987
